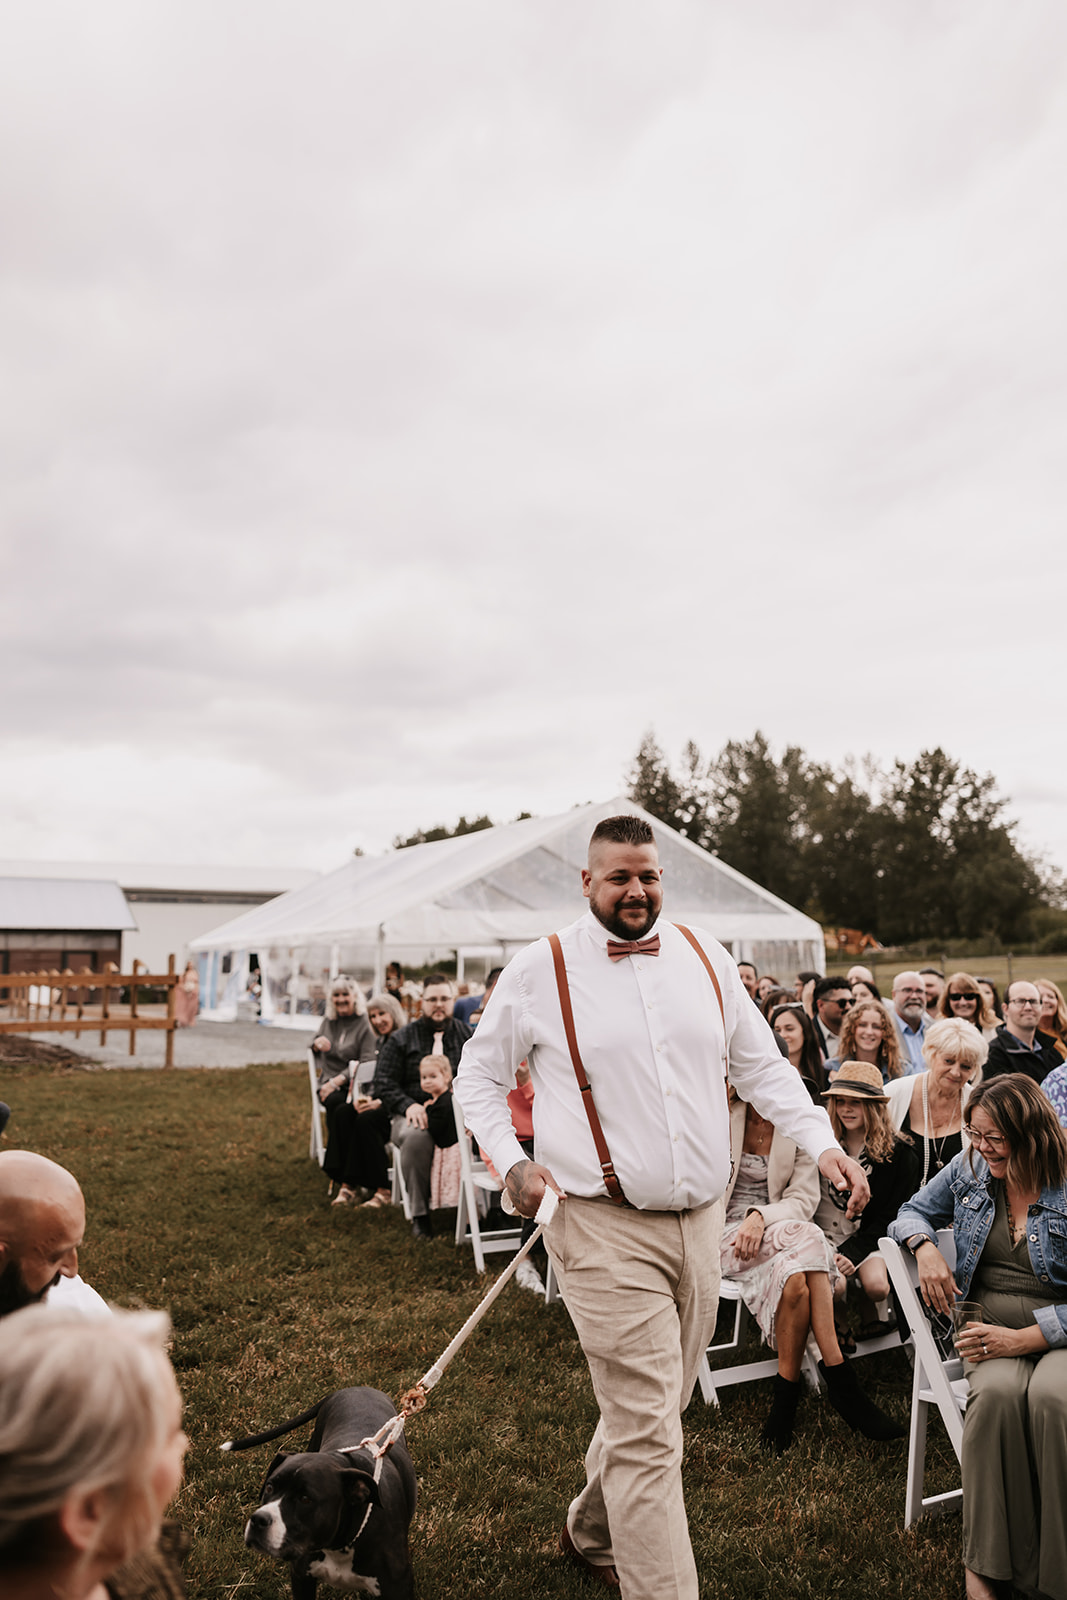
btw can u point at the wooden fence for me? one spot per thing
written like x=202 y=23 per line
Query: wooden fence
x=39 y=1002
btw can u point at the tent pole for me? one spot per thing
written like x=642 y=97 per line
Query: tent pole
x=292 y=982
x=379 y=961
x=335 y=961
x=459 y=968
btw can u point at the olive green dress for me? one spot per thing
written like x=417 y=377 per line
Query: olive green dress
x=1015 y=1433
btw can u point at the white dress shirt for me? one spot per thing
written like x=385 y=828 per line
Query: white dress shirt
x=651 y=1039
x=74 y=1294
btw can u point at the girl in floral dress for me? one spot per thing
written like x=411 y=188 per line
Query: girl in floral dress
x=784 y=1267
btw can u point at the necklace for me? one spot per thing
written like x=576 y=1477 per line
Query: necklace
x=760 y=1130
x=929 y=1127
x=1016 y=1230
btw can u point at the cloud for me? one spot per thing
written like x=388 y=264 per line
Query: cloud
x=407 y=407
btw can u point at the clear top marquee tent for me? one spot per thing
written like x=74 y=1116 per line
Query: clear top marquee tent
x=479 y=897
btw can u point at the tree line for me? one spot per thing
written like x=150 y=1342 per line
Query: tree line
x=918 y=851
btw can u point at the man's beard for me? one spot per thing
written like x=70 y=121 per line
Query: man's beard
x=15 y=1292
x=624 y=930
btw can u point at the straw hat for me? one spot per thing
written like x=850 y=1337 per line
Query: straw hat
x=858 y=1080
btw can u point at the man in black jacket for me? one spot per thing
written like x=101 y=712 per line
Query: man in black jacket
x=1019 y=1045
x=396 y=1085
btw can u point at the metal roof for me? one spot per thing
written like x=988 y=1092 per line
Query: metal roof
x=77 y=904
x=161 y=876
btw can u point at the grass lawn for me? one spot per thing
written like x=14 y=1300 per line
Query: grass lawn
x=201 y=1199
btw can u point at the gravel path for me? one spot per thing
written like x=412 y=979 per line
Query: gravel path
x=208 y=1044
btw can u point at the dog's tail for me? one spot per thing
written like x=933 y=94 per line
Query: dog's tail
x=274 y=1433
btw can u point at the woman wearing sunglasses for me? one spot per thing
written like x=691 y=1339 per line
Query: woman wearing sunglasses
x=965 y=1001
x=1006 y=1200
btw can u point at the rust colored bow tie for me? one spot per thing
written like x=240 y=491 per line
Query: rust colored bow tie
x=617 y=948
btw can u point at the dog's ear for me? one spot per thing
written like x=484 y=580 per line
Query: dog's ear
x=283 y=1455
x=359 y=1487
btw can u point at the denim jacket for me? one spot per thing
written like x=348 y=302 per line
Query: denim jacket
x=966 y=1199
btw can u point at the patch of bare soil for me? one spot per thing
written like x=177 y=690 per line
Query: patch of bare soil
x=17 y=1050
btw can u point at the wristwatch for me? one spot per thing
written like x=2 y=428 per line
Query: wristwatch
x=917 y=1241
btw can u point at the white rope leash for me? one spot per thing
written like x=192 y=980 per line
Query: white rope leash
x=545 y=1212
x=415 y=1398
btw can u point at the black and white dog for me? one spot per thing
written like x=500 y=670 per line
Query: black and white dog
x=322 y=1510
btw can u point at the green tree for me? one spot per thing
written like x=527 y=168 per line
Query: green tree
x=923 y=851
x=430 y=835
x=650 y=785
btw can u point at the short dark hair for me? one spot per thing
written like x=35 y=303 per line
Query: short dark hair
x=808 y=977
x=622 y=830
x=826 y=986
x=435 y=978
x=492 y=975
x=934 y=972
x=751 y=964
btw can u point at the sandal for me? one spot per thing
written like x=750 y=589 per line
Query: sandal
x=845 y=1340
x=378 y=1201
x=345 y=1196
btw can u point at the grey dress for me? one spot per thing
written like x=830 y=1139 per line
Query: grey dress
x=1015 y=1433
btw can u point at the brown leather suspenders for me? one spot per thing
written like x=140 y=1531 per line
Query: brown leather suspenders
x=611 y=1180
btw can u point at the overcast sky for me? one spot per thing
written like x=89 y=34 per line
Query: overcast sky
x=403 y=407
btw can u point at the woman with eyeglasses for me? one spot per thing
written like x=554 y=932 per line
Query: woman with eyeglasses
x=868 y=1034
x=930 y=1105
x=963 y=998
x=1006 y=1201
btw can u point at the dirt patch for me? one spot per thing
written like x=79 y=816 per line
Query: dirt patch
x=17 y=1050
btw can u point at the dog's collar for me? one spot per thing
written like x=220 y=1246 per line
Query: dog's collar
x=351 y=1450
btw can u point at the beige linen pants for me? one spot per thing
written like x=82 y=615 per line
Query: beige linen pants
x=642 y=1288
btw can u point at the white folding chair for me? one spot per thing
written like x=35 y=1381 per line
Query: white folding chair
x=317 y=1150
x=477 y=1190
x=396 y=1180
x=712 y=1379
x=936 y=1381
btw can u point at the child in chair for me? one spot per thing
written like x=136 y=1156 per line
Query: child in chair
x=435 y=1078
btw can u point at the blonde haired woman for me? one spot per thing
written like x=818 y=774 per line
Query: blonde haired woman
x=930 y=1105
x=858 y=1105
x=868 y=1034
x=1053 y=1017
x=91 y=1448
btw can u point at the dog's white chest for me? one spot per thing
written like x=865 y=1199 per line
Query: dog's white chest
x=335 y=1568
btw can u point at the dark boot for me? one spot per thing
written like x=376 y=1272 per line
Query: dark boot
x=777 y=1432
x=860 y=1412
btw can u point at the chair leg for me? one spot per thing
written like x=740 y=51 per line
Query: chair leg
x=913 y=1494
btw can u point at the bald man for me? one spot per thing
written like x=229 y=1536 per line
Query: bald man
x=42 y=1223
